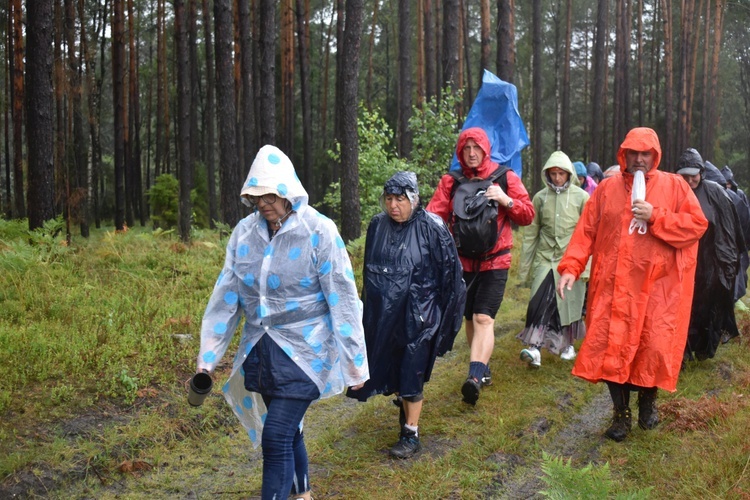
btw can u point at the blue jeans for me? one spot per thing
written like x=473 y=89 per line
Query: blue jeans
x=284 y=453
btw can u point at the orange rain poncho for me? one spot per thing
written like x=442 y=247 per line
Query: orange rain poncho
x=641 y=285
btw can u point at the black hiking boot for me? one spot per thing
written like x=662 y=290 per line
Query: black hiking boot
x=648 y=415
x=622 y=422
x=470 y=390
x=407 y=446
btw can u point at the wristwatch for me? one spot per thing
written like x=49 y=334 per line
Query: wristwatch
x=510 y=204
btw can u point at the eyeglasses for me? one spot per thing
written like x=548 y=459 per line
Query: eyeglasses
x=268 y=199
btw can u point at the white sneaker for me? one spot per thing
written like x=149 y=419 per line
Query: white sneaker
x=568 y=354
x=532 y=356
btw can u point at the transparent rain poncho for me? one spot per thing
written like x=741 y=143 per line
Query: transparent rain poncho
x=638 y=193
x=297 y=287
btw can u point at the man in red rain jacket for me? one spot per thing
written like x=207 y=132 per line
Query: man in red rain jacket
x=641 y=285
x=486 y=277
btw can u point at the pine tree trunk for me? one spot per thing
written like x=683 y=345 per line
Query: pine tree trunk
x=598 y=102
x=450 y=44
x=247 y=101
x=287 y=78
x=183 y=117
x=371 y=45
x=505 y=60
x=267 y=47
x=347 y=109
x=536 y=77
x=714 y=96
x=39 y=113
x=19 y=206
x=135 y=122
x=565 y=122
x=404 y=79
x=118 y=98
x=225 y=114
x=303 y=36
x=429 y=51
x=210 y=116
x=668 y=149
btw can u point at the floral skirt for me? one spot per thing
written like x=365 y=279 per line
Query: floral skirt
x=543 y=328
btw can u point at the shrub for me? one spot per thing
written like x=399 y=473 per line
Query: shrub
x=164 y=200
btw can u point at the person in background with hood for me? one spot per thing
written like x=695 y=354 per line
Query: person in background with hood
x=595 y=172
x=414 y=297
x=641 y=285
x=288 y=272
x=587 y=183
x=718 y=261
x=742 y=205
x=551 y=322
x=485 y=277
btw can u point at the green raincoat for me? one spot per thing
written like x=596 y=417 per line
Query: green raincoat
x=546 y=238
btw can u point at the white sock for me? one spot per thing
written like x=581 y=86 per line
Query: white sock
x=413 y=428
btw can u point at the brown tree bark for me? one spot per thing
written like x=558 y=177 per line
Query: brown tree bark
x=39 y=112
x=183 y=116
x=134 y=119
x=347 y=109
x=465 y=79
x=286 y=141
x=505 y=60
x=686 y=57
x=714 y=96
x=303 y=36
x=429 y=51
x=484 y=60
x=118 y=98
x=161 y=144
x=598 y=102
x=209 y=117
x=669 y=142
x=404 y=79
x=371 y=45
x=19 y=205
x=451 y=17
x=326 y=72
x=565 y=122
x=639 y=71
x=247 y=97
x=225 y=114
x=420 y=54
x=536 y=78
x=267 y=47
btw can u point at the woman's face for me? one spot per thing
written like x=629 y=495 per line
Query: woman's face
x=398 y=207
x=558 y=176
x=270 y=206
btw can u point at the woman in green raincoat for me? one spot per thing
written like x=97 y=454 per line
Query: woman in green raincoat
x=551 y=322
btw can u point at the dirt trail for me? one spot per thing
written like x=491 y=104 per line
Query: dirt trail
x=579 y=440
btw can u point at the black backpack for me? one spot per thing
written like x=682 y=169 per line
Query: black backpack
x=474 y=219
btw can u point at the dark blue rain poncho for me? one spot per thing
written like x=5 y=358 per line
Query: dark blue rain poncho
x=413 y=296
x=712 y=312
x=742 y=205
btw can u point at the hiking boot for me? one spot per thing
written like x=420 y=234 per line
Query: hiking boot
x=569 y=354
x=532 y=356
x=470 y=390
x=622 y=421
x=407 y=446
x=487 y=378
x=648 y=415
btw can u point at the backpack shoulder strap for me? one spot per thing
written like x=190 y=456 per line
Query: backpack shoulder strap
x=499 y=176
x=458 y=178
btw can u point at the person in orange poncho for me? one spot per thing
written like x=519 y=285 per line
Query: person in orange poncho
x=641 y=285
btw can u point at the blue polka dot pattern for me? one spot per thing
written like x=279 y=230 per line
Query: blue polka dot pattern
x=242 y=251
x=305 y=282
x=247 y=402
x=282 y=189
x=220 y=328
x=263 y=417
x=333 y=299
x=340 y=243
x=242 y=370
x=314 y=240
x=316 y=348
x=307 y=331
x=238 y=409
x=252 y=181
x=274 y=158
x=325 y=268
x=349 y=274
x=291 y=305
x=268 y=252
x=230 y=298
x=328 y=388
x=261 y=311
x=253 y=435
x=345 y=330
x=225 y=388
x=249 y=279
x=359 y=360
x=294 y=253
x=320 y=297
x=288 y=351
x=274 y=281
x=209 y=357
x=221 y=276
x=296 y=205
x=317 y=365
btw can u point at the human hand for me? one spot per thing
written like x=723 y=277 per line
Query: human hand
x=642 y=210
x=496 y=193
x=566 y=282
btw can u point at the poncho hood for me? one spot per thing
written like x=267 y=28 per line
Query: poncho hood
x=691 y=163
x=560 y=160
x=480 y=137
x=272 y=172
x=714 y=174
x=402 y=183
x=640 y=139
x=729 y=177
x=595 y=171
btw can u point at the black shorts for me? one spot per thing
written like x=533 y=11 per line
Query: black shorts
x=484 y=292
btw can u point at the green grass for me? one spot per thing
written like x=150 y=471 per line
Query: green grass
x=98 y=338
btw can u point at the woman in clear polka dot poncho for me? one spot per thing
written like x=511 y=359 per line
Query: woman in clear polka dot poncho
x=288 y=272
